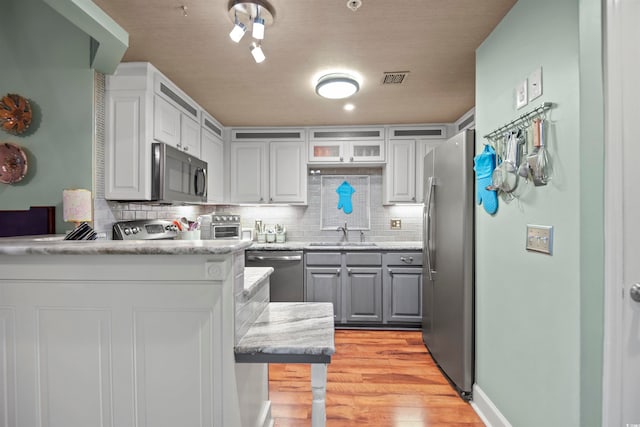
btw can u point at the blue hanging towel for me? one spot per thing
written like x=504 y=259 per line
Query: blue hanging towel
x=485 y=163
x=345 y=190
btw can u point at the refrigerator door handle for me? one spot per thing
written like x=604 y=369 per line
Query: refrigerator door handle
x=427 y=225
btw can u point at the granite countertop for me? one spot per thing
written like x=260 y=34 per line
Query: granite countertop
x=54 y=245
x=290 y=332
x=415 y=245
x=253 y=277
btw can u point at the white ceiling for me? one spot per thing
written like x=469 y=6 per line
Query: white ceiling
x=435 y=40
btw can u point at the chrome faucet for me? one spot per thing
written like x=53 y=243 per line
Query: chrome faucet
x=345 y=231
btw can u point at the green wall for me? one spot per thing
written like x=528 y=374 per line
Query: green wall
x=45 y=58
x=539 y=317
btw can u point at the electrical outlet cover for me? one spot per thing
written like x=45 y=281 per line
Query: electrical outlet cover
x=535 y=84
x=521 y=94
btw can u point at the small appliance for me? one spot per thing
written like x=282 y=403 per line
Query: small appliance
x=218 y=226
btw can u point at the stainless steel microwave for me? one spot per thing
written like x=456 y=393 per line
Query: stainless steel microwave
x=177 y=176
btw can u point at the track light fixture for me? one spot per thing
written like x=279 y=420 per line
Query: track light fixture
x=255 y=13
x=238 y=30
x=256 y=51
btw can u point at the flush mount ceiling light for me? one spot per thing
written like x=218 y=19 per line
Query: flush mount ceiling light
x=337 y=86
x=255 y=13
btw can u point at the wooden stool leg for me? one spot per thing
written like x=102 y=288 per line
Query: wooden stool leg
x=319 y=392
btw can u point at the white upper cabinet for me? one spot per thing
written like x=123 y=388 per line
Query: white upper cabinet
x=212 y=152
x=142 y=107
x=407 y=146
x=287 y=172
x=346 y=146
x=266 y=170
x=166 y=122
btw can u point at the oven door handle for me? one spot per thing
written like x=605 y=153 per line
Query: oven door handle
x=274 y=257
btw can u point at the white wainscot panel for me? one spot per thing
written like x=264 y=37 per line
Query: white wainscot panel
x=74 y=367
x=8 y=390
x=174 y=367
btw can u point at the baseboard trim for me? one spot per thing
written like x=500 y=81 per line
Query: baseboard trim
x=486 y=410
x=264 y=418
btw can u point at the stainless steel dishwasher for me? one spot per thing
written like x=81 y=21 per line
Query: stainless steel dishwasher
x=287 y=280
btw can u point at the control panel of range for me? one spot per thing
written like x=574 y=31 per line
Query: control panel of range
x=146 y=229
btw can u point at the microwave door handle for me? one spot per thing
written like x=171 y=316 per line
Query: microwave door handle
x=203 y=173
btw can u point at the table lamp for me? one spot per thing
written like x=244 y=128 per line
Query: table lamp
x=77 y=206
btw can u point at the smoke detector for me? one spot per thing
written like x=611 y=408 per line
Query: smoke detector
x=354 y=4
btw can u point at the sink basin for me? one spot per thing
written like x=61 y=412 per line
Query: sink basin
x=342 y=244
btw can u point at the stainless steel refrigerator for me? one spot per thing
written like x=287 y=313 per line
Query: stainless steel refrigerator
x=448 y=245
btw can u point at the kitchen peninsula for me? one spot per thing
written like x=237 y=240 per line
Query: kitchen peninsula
x=126 y=333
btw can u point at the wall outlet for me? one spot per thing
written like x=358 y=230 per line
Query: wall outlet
x=540 y=238
x=396 y=224
x=535 y=84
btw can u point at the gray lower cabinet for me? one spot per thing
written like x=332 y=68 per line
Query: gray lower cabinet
x=402 y=286
x=323 y=284
x=363 y=287
x=323 y=280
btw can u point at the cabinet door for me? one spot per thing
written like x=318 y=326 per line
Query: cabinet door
x=423 y=147
x=366 y=151
x=363 y=300
x=403 y=294
x=213 y=153
x=288 y=172
x=326 y=151
x=323 y=285
x=166 y=122
x=401 y=173
x=190 y=136
x=127 y=152
x=249 y=176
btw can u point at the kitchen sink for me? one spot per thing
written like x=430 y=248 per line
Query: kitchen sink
x=342 y=244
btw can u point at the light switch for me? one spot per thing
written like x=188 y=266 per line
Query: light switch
x=396 y=224
x=535 y=84
x=540 y=238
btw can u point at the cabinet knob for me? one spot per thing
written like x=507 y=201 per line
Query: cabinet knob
x=391 y=272
x=338 y=271
x=186 y=148
x=413 y=198
x=407 y=260
x=179 y=145
x=351 y=159
x=270 y=199
x=349 y=271
x=261 y=199
x=341 y=159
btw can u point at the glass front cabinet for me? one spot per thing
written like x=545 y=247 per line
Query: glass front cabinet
x=337 y=146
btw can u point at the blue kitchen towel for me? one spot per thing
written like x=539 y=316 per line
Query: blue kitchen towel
x=345 y=190
x=484 y=164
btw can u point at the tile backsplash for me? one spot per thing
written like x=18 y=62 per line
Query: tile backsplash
x=302 y=222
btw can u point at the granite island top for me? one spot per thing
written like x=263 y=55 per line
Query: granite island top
x=54 y=245
x=414 y=245
x=253 y=277
x=289 y=333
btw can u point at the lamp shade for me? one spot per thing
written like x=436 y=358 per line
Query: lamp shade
x=76 y=205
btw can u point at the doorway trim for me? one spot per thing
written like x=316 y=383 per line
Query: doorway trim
x=613 y=224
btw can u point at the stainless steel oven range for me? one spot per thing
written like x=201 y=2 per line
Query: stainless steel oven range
x=144 y=229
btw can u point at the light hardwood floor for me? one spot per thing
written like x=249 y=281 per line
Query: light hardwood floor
x=376 y=378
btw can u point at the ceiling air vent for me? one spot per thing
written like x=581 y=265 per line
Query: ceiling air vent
x=394 y=77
